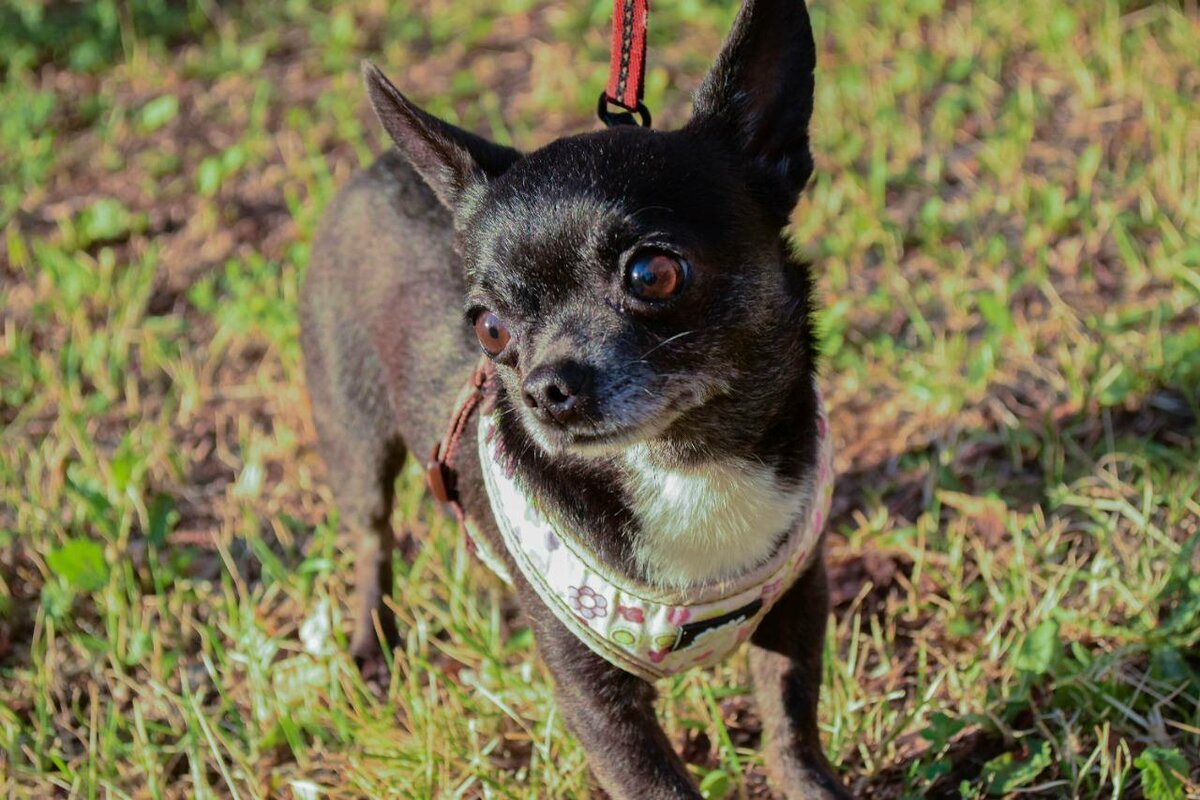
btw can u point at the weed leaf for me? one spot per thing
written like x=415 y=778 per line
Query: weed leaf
x=79 y=562
x=1160 y=769
x=1040 y=649
x=1004 y=774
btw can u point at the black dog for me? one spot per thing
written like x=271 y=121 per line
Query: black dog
x=653 y=361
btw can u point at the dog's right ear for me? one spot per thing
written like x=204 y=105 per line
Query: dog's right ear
x=452 y=161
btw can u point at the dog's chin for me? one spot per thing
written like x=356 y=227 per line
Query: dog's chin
x=614 y=433
x=599 y=441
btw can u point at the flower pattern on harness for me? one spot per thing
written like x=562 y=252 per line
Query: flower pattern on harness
x=587 y=603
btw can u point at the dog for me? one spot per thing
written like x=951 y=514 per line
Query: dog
x=647 y=385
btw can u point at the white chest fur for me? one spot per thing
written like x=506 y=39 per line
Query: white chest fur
x=710 y=523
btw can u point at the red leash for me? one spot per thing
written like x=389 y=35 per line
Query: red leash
x=626 y=66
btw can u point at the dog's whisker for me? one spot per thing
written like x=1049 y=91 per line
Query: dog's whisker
x=663 y=343
x=633 y=214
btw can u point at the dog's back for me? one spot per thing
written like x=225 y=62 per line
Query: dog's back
x=385 y=352
x=384 y=285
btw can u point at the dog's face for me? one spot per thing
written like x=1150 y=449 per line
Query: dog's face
x=632 y=286
x=618 y=279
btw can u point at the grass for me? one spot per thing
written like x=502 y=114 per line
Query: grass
x=1005 y=224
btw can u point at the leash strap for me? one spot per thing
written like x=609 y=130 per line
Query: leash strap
x=626 y=65
x=440 y=472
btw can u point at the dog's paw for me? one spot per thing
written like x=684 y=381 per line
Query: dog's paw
x=806 y=778
x=814 y=784
x=375 y=673
x=372 y=662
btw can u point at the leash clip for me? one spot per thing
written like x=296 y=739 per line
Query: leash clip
x=624 y=116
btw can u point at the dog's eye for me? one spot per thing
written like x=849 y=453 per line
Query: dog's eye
x=492 y=333
x=655 y=276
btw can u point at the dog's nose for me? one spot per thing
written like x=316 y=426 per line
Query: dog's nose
x=557 y=391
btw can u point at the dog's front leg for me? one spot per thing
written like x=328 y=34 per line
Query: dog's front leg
x=785 y=661
x=612 y=714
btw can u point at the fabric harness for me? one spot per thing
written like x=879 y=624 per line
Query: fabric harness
x=646 y=630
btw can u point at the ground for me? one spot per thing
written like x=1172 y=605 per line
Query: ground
x=1005 y=228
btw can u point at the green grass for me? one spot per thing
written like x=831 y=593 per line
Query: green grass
x=1005 y=224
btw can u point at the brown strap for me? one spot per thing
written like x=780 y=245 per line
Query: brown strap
x=440 y=473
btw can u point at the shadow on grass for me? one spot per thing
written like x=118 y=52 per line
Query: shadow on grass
x=1160 y=430
x=1163 y=425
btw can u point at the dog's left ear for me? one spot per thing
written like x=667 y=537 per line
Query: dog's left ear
x=759 y=95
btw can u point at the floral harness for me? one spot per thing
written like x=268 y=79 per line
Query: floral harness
x=644 y=630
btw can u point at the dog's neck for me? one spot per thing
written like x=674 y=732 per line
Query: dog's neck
x=679 y=523
x=709 y=522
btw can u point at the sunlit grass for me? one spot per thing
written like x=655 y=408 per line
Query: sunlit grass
x=1004 y=227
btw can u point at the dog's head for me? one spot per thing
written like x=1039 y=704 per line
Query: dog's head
x=634 y=286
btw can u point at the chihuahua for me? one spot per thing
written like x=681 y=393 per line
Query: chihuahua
x=650 y=340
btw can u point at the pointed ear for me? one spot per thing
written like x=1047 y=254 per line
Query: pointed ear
x=451 y=160
x=759 y=94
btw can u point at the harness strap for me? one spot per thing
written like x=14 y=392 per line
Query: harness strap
x=440 y=472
